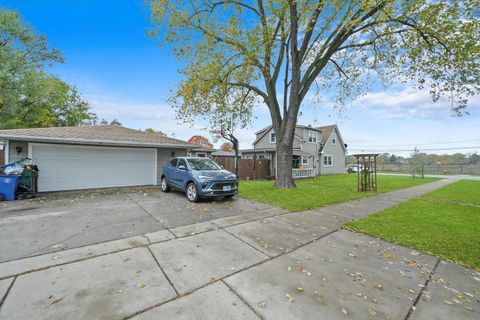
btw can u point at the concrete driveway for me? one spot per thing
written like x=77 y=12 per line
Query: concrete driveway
x=62 y=221
x=263 y=265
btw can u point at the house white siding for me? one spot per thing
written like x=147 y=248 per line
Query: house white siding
x=264 y=142
x=337 y=152
x=310 y=149
x=13 y=155
x=308 y=145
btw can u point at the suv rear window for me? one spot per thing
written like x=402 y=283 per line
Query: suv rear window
x=173 y=162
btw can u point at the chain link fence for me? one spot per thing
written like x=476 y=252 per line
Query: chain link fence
x=471 y=169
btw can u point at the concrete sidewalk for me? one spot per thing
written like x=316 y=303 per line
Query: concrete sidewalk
x=263 y=265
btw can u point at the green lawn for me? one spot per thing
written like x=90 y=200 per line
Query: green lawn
x=461 y=191
x=322 y=191
x=445 y=223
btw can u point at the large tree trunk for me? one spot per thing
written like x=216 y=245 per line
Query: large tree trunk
x=285 y=134
x=284 y=166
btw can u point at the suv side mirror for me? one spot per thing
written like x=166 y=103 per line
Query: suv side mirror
x=182 y=167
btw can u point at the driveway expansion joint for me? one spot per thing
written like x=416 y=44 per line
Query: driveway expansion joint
x=269 y=258
x=243 y=300
x=417 y=299
x=2 y=299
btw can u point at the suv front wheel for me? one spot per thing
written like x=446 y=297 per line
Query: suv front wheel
x=192 y=193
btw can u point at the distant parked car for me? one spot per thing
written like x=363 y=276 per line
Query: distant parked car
x=352 y=168
x=198 y=178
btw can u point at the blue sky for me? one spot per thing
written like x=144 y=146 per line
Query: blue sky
x=127 y=76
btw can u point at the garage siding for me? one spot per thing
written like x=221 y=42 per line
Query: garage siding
x=163 y=155
x=13 y=155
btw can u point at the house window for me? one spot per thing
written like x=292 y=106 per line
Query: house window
x=312 y=136
x=273 y=138
x=334 y=138
x=201 y=155
x=305 y=161
x=327 y=161
x=296 y=162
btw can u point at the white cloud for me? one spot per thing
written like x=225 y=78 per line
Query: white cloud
x=408 y=103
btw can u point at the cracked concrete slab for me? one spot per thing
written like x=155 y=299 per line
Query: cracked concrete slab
x=75 y=229
x=272 y=236
x=192 y=229
x=215 y=302
x=247 y=217
x=17 y=267
x=342 y=275
x=108 y=287
x=159 y=236
x=60 y=221
x=195 y=261
x=318 y=223
x=4 y=286
x=180 y=212
x=452 y=293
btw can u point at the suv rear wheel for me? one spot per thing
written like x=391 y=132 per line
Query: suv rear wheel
x=192 y=193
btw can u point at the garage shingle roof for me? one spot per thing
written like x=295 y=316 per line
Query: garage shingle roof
x=91 y=134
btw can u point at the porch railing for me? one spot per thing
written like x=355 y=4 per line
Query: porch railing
x=299 y=173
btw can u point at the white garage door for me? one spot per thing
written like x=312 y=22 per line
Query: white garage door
x=66 y=167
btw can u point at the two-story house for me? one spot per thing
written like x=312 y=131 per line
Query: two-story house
x=316 y=150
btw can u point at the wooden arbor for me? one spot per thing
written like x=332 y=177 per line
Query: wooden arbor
x=367 y=172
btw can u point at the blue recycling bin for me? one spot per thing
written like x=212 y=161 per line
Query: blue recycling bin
x=8 y=185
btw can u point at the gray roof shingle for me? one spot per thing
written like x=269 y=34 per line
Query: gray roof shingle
x=92 y=134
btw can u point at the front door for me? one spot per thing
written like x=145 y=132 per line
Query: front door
x=296 y=162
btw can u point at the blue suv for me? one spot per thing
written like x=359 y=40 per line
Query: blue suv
x=198 y=178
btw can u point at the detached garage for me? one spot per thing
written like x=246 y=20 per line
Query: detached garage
x=73 y=158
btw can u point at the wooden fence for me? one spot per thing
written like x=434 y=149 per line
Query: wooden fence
x=249 y=168
x=2 y=157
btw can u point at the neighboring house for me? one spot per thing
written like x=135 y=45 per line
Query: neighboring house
x=316 y=150
x=218 y=154
x=201 y=152
x=71 y=158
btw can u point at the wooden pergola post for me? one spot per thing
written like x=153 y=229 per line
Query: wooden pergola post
x=367 y=172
